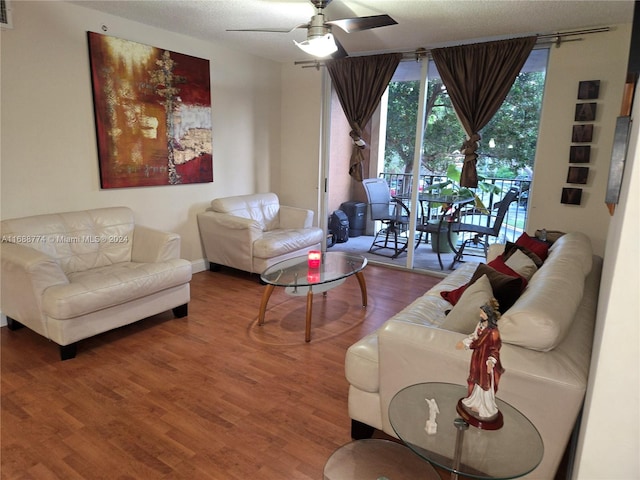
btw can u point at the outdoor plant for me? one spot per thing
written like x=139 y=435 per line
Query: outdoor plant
x=451 y=187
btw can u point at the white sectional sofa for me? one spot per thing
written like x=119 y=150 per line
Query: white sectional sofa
x=252 y=232
x=69 y=276
x=547 y=339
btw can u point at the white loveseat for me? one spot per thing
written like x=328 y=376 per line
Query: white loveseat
x=69 y=276
x=252 y=232
x=547 y=339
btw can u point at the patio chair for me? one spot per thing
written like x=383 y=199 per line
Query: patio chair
x=393 y=214
x=482 y=225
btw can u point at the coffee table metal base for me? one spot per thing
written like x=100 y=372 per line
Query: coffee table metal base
x=377 y=459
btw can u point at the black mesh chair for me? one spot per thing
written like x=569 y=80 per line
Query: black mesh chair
x=393 y=214
x=477 y=226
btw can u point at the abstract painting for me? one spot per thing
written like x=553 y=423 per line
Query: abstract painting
x=152 y=112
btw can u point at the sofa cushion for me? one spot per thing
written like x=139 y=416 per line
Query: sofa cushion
x=261 y=207
x=495 y=250
x=282 y=241
x=105 y=287
x=542 y=316
x=464 y=316
x=79 y=241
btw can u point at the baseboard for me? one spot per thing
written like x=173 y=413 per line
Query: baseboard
x=199 y=265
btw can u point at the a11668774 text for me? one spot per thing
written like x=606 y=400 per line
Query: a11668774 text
x=32 y=239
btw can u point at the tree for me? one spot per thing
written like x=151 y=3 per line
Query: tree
x=513 y=131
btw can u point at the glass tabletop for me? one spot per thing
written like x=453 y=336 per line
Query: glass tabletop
x=296 y=272
x=450 y=199
x=512 y=451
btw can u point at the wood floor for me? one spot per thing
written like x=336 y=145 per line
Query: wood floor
x=209 y=396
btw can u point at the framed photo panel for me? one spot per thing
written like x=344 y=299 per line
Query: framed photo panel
x=578 y=175
x=582 y=133
x=580 y=154
x=571 y=196
x=585 y=112
x=588 y=90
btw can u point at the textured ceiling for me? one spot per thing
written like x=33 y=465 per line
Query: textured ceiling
x=421 y=23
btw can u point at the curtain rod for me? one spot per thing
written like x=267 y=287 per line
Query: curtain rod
x=556 y=39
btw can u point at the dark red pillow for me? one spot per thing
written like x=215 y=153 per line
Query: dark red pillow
x=453 y=296
x=540 y=248
x=506 y=283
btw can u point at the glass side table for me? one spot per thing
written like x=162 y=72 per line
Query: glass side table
x=510 y=452
x=376 y=459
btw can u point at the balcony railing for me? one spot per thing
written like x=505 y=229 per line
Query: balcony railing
x=515 y=220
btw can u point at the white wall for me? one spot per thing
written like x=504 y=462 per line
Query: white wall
x=610 y=439
x=49 y=156
x=296 y=175
x=603 y=57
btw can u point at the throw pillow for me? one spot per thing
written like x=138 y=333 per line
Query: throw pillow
x=464 y=316
x=500 y=265
x=521 y=264
x=506 y=287
x=541 y=249
x=511 y=247
x=453 y=296
x=506 y=283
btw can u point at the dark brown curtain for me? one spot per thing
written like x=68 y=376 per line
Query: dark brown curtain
x=360 y=83
x=478 y=78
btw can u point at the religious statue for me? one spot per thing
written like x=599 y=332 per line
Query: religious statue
x=431 y=426
x=479 y=407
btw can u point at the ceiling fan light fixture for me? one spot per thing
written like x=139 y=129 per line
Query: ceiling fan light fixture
x=322 y=46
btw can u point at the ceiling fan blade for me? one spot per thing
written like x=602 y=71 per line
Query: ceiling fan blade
x=363 y=23
x=341 y=52
x=268 y=30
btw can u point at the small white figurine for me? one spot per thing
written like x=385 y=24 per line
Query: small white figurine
x=431 y=426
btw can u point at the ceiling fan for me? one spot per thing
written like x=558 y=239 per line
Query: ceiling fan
x=320 y=41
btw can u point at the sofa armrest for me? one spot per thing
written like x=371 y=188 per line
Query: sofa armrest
x=228 y=239
x=293 y=217
x=26 y=274
x=154 y=246
x=411 y=353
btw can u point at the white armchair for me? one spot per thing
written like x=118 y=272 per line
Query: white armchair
x=70 y=276
x=252 y=232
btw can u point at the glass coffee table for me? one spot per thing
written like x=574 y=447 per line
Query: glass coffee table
x=512 y=451
x=376 y=459
x=298 y=279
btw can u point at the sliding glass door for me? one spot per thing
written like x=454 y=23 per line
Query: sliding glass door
x=415 y=141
